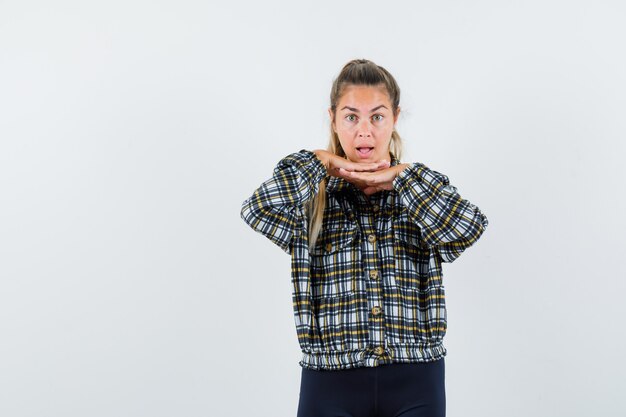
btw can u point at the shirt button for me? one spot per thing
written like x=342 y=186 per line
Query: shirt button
x=376 y=310
x=371 y=238
x=374 y=274
x=379 y=350
x=376 y=209
x=329 y=247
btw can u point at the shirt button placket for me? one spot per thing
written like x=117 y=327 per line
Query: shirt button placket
x=375 y=288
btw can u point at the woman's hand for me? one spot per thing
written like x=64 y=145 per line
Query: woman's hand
x=369 y=177
x=334 y=163
x=373 y=182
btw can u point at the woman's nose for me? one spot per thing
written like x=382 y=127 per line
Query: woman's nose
x=364 y=130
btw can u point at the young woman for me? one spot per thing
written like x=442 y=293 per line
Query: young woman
x=367 y=236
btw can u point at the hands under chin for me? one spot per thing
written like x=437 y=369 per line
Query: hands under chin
x=369 y=177
x=374 y=181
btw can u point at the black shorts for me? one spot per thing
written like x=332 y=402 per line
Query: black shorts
x=388 y=390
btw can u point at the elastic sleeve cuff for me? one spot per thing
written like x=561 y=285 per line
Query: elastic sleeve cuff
x=310 y=169
x=421 y=173
x=421 y=191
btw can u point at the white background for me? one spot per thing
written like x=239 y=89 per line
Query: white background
x=132 y=131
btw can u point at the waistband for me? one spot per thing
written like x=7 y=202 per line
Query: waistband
x=334 y=360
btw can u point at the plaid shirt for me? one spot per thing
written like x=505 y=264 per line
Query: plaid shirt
x=370 y=292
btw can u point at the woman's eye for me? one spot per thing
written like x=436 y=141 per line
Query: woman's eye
x=349 y=117
x=378 y=115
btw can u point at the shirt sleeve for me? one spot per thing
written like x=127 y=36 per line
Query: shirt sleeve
x=275 y=209
x=449 y=224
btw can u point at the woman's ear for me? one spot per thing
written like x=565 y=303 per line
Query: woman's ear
x=332 y=123
x=395 y=118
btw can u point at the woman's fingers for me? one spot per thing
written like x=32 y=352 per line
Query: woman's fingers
x=363 y=166
x=350 y=176
x=360 y=175
x=368 y=182
x=381 y=179
x=366 y=166
x=361 y=179
x=335 y=162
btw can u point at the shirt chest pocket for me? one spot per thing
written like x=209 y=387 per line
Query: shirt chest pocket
x=412 y=257
x=335 y=264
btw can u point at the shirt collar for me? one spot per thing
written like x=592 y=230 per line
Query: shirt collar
x=336 y=184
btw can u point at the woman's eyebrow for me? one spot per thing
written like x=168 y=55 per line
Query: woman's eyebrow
x=357 y=111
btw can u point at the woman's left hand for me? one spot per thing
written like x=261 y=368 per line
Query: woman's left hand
x=373 y=182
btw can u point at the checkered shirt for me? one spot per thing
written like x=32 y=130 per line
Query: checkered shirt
x=371 y=291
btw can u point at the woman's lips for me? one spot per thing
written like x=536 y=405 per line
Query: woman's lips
x=364 y=152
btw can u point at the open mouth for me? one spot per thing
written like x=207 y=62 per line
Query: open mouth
x=364 y=152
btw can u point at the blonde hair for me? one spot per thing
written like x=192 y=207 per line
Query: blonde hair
x=355 y=72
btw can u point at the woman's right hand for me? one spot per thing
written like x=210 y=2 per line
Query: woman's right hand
x=333 y=162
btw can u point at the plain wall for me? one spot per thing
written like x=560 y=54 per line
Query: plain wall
x=132 y=131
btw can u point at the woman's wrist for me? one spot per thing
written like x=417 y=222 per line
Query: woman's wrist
x=322 y=157
x=401 y=167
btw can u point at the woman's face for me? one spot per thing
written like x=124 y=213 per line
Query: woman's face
x=364 y=123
